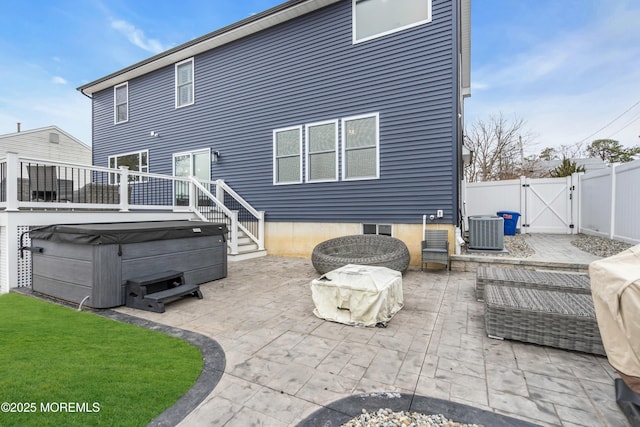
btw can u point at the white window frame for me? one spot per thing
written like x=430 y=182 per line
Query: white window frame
x=384 y=33
x=344 y=146
x=114 y=178
x=193 y=83
x=275 y=157
x=377 y=227
x=308 y=151
x=115 y=103
x=205 y=181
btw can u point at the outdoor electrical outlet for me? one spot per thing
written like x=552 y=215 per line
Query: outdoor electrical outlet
x=440 y=214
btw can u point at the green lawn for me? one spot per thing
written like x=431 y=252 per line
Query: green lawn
x=79 y=369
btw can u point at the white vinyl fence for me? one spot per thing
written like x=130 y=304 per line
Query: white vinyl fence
x=610 y=202
x=545 y=205
x=604 y=203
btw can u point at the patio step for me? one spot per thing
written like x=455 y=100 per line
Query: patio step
x=247 y=249
x=471 y=263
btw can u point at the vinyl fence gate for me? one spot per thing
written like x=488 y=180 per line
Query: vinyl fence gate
x=546 y=205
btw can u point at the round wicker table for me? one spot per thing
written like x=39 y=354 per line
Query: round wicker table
x=365 y=249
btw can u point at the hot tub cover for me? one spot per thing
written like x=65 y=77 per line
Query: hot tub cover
x=126 y=232
x=359 y=295
x=615 y=286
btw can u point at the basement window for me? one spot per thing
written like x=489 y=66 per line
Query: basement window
x=381 y=229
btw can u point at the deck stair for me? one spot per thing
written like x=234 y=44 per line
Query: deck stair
x=220 y=203
x=247 y=249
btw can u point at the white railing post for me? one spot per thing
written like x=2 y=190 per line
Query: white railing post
x=193 y=194
x=124 y=188
x=220 y=190
x=13 y=166
x=612 y=220
x=234 y=233
x=12 y=245
x=261 y=230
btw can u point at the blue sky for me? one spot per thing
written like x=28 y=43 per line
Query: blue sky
x=567 y=67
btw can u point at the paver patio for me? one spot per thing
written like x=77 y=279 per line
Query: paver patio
x=283 y=363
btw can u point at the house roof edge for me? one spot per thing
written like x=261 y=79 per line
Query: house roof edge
x=255 y=23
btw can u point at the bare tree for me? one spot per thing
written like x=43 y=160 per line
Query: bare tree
x=498 y=145
x=571 y=151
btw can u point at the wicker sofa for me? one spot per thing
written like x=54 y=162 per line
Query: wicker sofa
x=365 y=249
x=553 y=309
x=545 y=280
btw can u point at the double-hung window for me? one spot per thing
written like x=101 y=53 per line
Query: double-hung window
x=287 y=155
x=121 y=103
x=185 y=92
x=322 y=151
x=376 y=18
x=360 y=147
x=137 y=162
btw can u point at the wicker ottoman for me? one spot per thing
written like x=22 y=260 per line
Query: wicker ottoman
x=565 y=320
x=544 y=280
x=364 y=249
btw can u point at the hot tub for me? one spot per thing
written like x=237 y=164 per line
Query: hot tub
x=72 y=262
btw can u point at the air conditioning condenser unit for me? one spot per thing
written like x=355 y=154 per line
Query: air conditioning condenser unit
x=486 y=232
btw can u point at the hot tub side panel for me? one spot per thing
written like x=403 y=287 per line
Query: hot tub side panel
x=73 y=272
x=202 y=259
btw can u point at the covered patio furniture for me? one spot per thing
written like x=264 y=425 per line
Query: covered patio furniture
x=435 y=248
x=358 y=295
x=615 y=286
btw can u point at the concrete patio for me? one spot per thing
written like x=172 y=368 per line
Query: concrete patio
x=283 y=363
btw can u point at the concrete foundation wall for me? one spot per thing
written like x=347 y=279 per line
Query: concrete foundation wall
x=297 y=239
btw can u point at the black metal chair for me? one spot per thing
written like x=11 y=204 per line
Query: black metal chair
x=435 y=248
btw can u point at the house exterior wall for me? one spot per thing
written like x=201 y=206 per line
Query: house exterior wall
x=297 y=239
x=37 y=144
x=304 y=71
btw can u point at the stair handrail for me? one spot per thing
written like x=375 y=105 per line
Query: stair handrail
x=259 y=215
x=220 y=183
x=233 y=216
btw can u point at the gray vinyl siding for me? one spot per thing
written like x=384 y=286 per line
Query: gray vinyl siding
x=305 y=71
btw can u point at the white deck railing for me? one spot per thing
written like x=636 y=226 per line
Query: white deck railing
x=40 y=184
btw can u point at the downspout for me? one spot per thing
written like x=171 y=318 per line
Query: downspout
x=456 y=123
x=88 y=96
x=93 y=160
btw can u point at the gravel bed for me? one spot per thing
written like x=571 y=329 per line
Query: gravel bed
x=388 y=418
x=599 y=246
x=594 y=245
x=516 y=245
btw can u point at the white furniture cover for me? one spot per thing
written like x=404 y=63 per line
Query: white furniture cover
x=359 y=295
x=615 y=286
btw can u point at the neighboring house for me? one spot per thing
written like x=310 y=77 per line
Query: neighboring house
x=335 y=117
x=50 y=143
